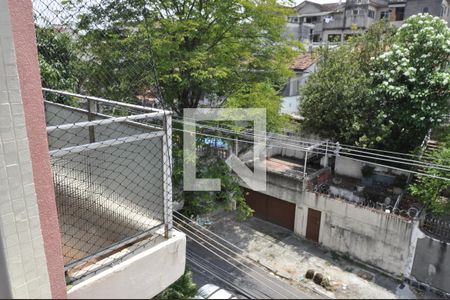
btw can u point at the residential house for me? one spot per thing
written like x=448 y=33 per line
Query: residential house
x=86 y=201
x=303 y=66
x=399 y=10
x=307 y=24
x=332 y=23
x=326 y=199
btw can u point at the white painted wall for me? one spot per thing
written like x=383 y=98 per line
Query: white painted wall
x=143 y=276
x=348 y=167
x=290 y=104
x=371 y=236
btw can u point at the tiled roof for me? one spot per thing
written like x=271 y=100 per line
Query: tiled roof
x=329 y=6
x=302 y=62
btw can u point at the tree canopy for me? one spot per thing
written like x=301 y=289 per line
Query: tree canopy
x=58 y=59
x=382 y=90
x=336 y=101
x=435 y=192
x=190 y=49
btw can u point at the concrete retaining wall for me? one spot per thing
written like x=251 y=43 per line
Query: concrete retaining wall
x=371 y=236
x=431 y=264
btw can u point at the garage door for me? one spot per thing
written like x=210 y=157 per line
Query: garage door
x=271 y=209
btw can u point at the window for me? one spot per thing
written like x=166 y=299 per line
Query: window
x=334 y=38
x=316 y=38
x=294 y=87
x=399 y=13
x=311 y=19
x=371 y=14
x=384 y=15
x=425 y=10
x=355 y=12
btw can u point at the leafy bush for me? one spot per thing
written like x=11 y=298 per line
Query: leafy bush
x=367 y=171
x=382 y=90
x=183 y=288
x=429 y=190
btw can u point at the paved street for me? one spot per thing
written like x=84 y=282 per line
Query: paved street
x=290 y=256
x=248 y=282
x=212 y=262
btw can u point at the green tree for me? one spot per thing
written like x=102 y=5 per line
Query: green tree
x=382 y=90
x=336 y=101
x=209 y=165
x=435 y=192
x=191 y=49
x=412 y=81
x=183 y=288
x=58 y=59
x=260 y=95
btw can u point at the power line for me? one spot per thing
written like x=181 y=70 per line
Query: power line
x=197 y=237
x=196 y=240
x=226 y=241
x=295 y=147
x=331 y=147
x=315 y=141
x=196 y=264
x=210 y=268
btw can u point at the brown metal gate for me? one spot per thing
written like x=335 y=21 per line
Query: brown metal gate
x=271 y=209
x=313 y=226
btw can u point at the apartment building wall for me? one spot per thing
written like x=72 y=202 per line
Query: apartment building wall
x=363 y=13
x=27 y=208
x=434 y=7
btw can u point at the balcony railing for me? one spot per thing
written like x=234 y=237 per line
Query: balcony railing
x=112 y=177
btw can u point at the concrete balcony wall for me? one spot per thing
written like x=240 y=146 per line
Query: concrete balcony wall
x=144 y=275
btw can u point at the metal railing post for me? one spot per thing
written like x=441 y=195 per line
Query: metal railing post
x=167 y=173
x=92 y=110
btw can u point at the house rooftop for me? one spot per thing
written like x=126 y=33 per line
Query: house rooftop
x=302 y=62
x=330 y=6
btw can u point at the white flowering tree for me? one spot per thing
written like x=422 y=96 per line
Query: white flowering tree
x=412 y=81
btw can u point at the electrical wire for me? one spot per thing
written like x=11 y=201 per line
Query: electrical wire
x=200 y=267
x=321 y=151
x=312 y=141
x=244 y=253
x=196 y=237
x=333 y=146
x=202 y=263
